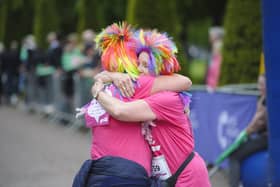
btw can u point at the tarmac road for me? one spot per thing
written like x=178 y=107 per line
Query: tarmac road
x=36 y=153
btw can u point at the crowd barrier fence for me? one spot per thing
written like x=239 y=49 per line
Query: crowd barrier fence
x=217 y=117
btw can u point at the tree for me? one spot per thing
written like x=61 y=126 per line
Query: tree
x=161 y=16
x=94 y=14
x=45 y=20
x=114 y=11
x=90 y=15
x=195 y=18
x=15 y=19
x=131 y=6
x=242 y=42
x=3 y=15
x=67 y=16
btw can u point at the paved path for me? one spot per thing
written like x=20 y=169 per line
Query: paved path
x=36 y=153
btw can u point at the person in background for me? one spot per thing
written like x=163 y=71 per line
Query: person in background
x=2 y=48
x=213 y=72
x=54 y=51
x=91 y=64
x=27 y=81
x=71 y=60
x=88 y=37
x=90 y=68
x=25 y=45
x=11 y=64
x=257 y=136
x=47 y=65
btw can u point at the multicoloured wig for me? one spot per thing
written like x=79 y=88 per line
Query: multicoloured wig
x=118 y=47
x=161 y=50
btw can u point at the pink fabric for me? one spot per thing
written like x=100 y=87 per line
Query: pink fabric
x=91 y=119
x=124 y=139
x=174 y=133
x=214 y=71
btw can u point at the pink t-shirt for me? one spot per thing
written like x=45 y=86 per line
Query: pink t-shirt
x=124 y=139
x=173 y=132
x=214 y=71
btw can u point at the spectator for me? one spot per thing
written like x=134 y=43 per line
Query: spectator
x=27 y=69
x=92 y=57
x=1 y=69
x=71 y=61
x=88 y=37
x=54 y=52
x=11 y=64
x=88 y=69
x=257 y=136
x=213 y=72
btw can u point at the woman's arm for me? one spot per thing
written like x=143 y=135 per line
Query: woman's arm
x=123 y=110
x=104 y=76
x=121 y=80
x=259 y=121
x=175 y=82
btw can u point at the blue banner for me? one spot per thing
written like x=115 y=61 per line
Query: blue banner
x=271 y=39
x=217 y=119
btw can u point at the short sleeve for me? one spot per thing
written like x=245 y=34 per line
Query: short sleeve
x=143 y=86
x=166 y=106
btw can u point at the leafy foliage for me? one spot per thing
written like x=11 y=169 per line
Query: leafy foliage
x=162 y=16
x=3 y=19
x=45 y=20
x=15 y=19
x=94 y=14
x=242 y=42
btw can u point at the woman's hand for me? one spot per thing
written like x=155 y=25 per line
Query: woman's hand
x=121 y=80
x=96 y=88
x=124 y=83
x=103 y=76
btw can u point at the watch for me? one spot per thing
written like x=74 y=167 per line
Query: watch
x=95 y=96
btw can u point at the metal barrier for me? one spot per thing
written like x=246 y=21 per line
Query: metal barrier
x=82 y=94
x=217 y=117
x=31 y=91
x=49 y=100
x=245 y=89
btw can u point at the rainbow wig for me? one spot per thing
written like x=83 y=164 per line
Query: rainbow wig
x=118 y=47
x=161 y=50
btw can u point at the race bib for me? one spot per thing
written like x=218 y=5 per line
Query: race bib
x=96 y=115
x=160 y=167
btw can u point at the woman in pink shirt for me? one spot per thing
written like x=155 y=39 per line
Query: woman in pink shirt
x=172 y=134
x=172 y=131
x=118 y=144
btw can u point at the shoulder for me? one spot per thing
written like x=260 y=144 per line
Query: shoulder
x=143 y=86
x=144 y=79
x=164 y=98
